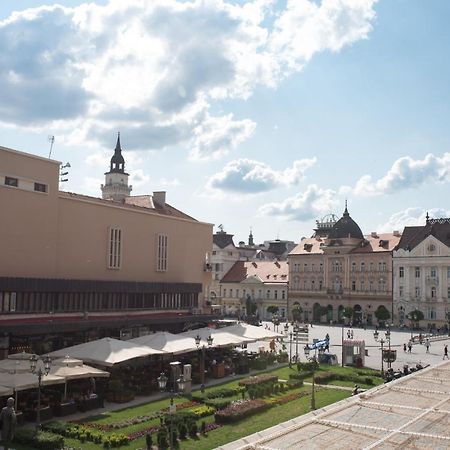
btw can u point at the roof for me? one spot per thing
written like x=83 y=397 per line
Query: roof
x=309 y=246
x=409 y=413
x=345 y=227
x=413 y=236
x=223 y=239
x=385 y=242
x=139 y=203
x=268 y=271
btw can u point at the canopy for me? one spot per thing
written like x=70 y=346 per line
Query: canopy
x=67 y=361
x=5 y=391
x=76 y=372
x=106 y=351
x=221 y=337
x=14 y=366
x=251 y=332
x=167 y=342
x=23 y=381
x=22 y=355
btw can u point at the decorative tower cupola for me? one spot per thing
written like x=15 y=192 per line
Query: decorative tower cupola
x=250 y=239
x=116 y=180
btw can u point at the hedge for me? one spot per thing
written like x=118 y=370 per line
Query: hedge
x=240 y=410
x=42 y=440
x=259 y=379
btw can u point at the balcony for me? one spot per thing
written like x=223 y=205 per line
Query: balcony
x=335 y=291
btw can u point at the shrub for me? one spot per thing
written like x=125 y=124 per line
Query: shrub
x=293 y=384
x=162 y=439
x=369 y=381
x=222 y=393
x=193 y=430
x=218 y=403
x=325 y=377
x=300 y=375
x=203 y=427
x=57 y=427
x=149 y=441
x=182 y=430
x=45 y=440
x=307 y=366
x=25 y=435
x=259 y=379
x=202 y=411
x=240 y=410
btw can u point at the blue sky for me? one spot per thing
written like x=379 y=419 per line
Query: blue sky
x=263 y=114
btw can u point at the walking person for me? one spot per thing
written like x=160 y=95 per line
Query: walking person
x=409 y=346
x=445 y=351
x=427 y=345
x=404 y=348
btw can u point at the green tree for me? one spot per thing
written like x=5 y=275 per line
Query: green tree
x=296 y=311
x=382 y=314
x=347 y=312
x=272 y=309
x=415 y=317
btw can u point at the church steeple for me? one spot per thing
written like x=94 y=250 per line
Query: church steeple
x=116 y=180
x=117 y=161
x=250 y=239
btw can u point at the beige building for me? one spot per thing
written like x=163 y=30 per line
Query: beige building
x=75 y=267
x=340 y=267
x=262 y=283
x=422 y=274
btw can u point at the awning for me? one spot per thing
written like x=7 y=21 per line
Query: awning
x=166 y=342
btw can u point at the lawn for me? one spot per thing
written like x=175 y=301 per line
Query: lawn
x=227 y=433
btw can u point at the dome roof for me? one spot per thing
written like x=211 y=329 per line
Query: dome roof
x=346 y=227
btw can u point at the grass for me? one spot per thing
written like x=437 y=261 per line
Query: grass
x=228 y=433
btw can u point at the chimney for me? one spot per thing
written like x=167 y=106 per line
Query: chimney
x=160 y=198
x=374 y=234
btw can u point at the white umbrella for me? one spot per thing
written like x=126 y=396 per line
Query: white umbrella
x=251 y=332
x=106 y=351
x=221 y=338
x=14 y=366
x=167 y=342
x=76 y=372
x=23 y=381
x=22 y=355
x=67 y=361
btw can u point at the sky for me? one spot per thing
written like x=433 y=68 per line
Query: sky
x=263 y=114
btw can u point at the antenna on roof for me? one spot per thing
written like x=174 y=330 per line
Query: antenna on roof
x=51 y=139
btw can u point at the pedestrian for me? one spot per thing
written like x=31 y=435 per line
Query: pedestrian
x=427 y=345
x=445 y=351
x=409 y=346
x=404 y=348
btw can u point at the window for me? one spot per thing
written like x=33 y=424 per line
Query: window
x=11 y=181
x=268 y=294
x=363 y=267
x=401 y=272
x=39 y=187
x=448 y=272
x=381 y=284
x=433 y=292
x=224 y=292
x=353 y=285
x=380 y=267
x=417 y=292
x=161 y=263
x=353 y=267
x=417 y=272
x=320 y=284
x=433 y=272
x=231 y=292
x=400 y=291
x=321 y=268
x=371 y=267
x=283 y=295
x=8 y=301
x=313 y=285
x=431 y=313
x=370 y=285
x=230 y=253
x=115 y=248
x=275 y=294
x=448 y=292
x=363 y=286
x=214 y=252
x=260 y=293
x=237 y=293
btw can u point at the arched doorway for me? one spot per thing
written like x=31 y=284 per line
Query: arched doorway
x=341 y=314
x=316 y=312
x=357 y=314
x=329 y=313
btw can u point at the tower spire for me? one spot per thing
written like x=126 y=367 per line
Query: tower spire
x=346 y=210
x=118 y=148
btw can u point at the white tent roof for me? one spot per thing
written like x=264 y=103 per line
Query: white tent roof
x=106 y=351
x=14 y=366
x=22 y=381
x=167 y=342
x=77 y=372
x=252 y=332
x=67 y=361
x=22 y=355
x=221 y=337
x=5 y=391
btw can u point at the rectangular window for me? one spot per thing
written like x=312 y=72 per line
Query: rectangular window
x=448 y=272
x=224 y=292
x=115 y=248
x=40 y=187
x=417 y=272
x=276 y=294
x=433 y=272
x=448 y=292
x=400 y=291
x=283 y=295
x=11 y=181
x=231 y=292
x=162 y=253
x=417 y=292
x=401 y=272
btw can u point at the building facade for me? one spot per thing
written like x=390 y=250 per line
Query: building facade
x=75 y=268
x=339 y=267
x=260 y=283
x=422 y=273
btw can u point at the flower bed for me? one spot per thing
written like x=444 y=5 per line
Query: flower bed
x=287 y=398
x=239 y=410
x=259 y=379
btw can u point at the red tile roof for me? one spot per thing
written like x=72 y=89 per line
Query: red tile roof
x=309 y=246
x=268 y=271
x=383 y=242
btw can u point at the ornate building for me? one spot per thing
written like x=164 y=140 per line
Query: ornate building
x=422 y=273
x=339 y=267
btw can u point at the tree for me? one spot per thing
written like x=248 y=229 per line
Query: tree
x=382 y=314
x=347 y=312
x=296 y=311
x=272 y=309
x=250 y=306
x=415 y=317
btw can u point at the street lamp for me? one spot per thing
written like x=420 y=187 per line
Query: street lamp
x=40 y=367
x=286 y=332
x=296 y=330
x=313 y=385
x=382 y=342
x=179 y=387
x=198 y=340
x=448 y=323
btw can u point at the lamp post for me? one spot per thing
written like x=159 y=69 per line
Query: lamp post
x=296 y=330
x=382 y=342
x=313 y=385
x=209 y=340
x=179 y=387
x=40 y=367
x=448 y=323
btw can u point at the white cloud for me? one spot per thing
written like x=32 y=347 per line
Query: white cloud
x=411 y=217
x=250 y=177
x=310 y=204
x=155 y=68
x=406 y=173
